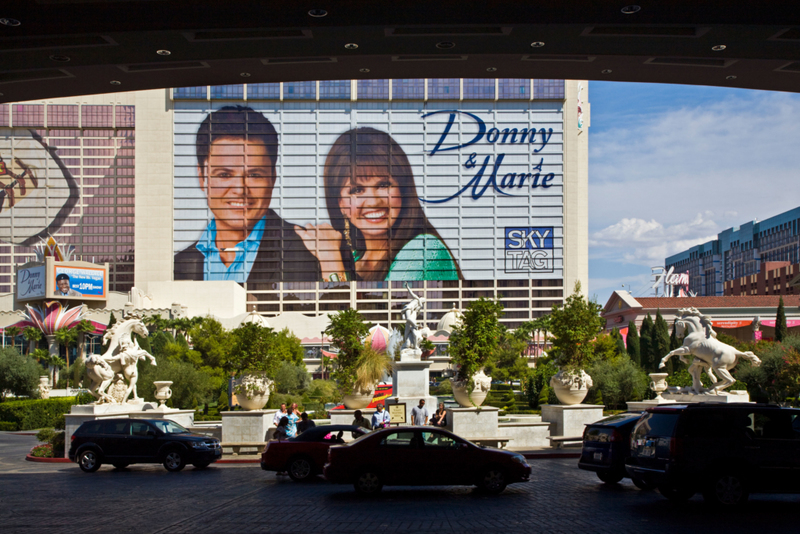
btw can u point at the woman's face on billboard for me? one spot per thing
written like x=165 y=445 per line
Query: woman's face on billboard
x=238 y=179
x=372 y=203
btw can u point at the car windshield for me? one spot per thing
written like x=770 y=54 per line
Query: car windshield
x=169 y=427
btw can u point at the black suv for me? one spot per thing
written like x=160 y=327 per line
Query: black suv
x=122 y=442
x=606 y=447
x=725 y=451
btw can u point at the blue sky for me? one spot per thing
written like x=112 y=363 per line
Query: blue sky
x=670 y=166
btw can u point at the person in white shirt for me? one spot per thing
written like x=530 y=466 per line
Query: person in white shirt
x=381 y=418
x=279 y=415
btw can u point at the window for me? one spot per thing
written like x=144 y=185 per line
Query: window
x=227 y=92
x=138 y=428
x=438 y=440
x=189 y=93
x=334 y=89
x=114 y=427
x=263 y=91
x=399 y=439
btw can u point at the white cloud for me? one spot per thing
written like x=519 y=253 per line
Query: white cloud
x=647 y=243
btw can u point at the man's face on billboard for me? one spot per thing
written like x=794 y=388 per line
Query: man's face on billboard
x=63 y=285
x=238 y=179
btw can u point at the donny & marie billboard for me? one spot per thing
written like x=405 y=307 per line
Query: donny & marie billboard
x=273 y=192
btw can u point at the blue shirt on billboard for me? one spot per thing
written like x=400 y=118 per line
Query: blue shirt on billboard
x=246 y=252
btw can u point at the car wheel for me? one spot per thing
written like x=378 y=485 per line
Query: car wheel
x=300 y=469
x=368 y=483
x=201 y=465
x=727 y=490
x=493 y=481
x=89 y=461
x=676 y=493
x=610 y=477
x=174 y=461
x=642 y=484
x=120 y=465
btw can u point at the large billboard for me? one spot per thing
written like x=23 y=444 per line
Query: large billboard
x=269 y=192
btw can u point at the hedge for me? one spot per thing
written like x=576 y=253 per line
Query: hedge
x=33 y=414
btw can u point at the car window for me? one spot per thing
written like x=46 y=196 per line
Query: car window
x=138 y=428
x=772 y=425
x=714 y=424
x=115 y=427
x=438 y=440
x=91 y=427
x=656 y=424
x=170 y=427
x=399 y=439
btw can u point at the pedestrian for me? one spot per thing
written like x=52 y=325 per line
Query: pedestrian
x=361 y=421
x=305 y=423
x=280 y=414
x=381 y=418
x=440 y=417
x=294 y=417
x=281 y=435
x=419 y=414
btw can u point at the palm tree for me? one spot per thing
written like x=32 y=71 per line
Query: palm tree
x=66 y=337
x=13 y=332
x=31 y=335
x=83 y=328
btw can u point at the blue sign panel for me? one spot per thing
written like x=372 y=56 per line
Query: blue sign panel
x=79 y=282
x=529 y=249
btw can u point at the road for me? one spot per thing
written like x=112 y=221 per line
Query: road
x=241 y=498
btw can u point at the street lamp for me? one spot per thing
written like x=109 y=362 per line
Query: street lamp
x=322 y=356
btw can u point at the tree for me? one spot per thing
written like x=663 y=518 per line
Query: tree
x=573 y=326
x=66 y=337
x=346 y=330
x=190 y=387
x=632 y=342
x=32 y=335
x=474 y=340
x=291 y=378
x=781 y=331
x=620 y=342
x=13 y=332
x=251 y=351
x=287 y=347
x=18 y=374
x=674 y=342
x=82 y=328
x=618 y=381
x=508 y=362
x=660 y=342
x=211 y=340
x=646 y=342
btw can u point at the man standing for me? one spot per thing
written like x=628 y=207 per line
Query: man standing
x=305 y=423
x=279 y=415
x=245 y=241
x=62 y=287
x=419 y=414
x=381 y=418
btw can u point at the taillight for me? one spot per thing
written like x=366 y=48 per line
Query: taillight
x=72 y=437
x=675 y=447
x=616 y=437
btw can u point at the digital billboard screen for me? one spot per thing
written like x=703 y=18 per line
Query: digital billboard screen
x=272 y=192
x=72 y=281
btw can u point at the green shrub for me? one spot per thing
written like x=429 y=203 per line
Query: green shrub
x=42 y=451
x=36 y=413
x=8 y=426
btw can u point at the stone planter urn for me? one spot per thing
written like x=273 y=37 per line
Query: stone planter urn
x=163 y=393
x=571 y=388
x=253 y=391
x=358 y=400
x=482 y=384
x=659 y=384
x=44 y=387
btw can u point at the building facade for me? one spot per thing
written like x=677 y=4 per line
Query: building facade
x=739 y=252
x=497 y=168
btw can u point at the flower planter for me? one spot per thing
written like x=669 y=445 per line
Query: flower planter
x=571 y=388
x=482 y=384
x=358 y=399
x=253 y=392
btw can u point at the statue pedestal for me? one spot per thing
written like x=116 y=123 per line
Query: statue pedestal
x=246 y=426
x=473 y=422
x=410 y=383
x=640 y=406
x=81 y=413
x=569 y=420
x=723 y=398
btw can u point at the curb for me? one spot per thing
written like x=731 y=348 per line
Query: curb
x=30 y=458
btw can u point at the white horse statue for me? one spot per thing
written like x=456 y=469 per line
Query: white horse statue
x=118 y=363
x=412 y=336
x=709 y=354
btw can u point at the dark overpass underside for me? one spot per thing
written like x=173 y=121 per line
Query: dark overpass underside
x=57 y=48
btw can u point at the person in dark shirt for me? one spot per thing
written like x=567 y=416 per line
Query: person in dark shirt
x=305 y=423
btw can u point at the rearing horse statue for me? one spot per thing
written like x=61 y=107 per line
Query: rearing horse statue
x=709 y=354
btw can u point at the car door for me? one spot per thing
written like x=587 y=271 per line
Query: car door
x=113 y=439
x=401 y=456
x=444 y=459
x=774 y=450
x=140 y=443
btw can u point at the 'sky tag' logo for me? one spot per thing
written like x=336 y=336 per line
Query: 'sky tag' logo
x=529 y=249
x=15 y=187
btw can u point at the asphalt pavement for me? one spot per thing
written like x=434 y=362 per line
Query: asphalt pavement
x=51 y=498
